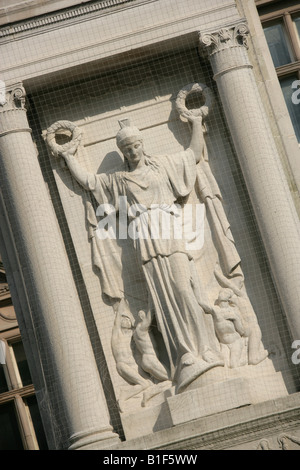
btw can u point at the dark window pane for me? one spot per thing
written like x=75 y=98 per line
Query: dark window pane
x=37 y=422
x=3 y=383
x=10 y=438
x=22 y=363
x=297 y=23
x=294 y=109
x=277 y=44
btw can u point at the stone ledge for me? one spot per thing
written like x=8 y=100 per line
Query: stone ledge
x=227 y=429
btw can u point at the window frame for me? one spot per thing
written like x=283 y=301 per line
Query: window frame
x=17 y=393
x=273 y=11
x=286 y=15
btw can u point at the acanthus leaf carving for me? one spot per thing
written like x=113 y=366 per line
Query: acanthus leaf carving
x=12 y=98
x=224 y=38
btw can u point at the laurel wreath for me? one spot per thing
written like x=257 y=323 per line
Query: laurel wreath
x=68 y=125
x=194 y=88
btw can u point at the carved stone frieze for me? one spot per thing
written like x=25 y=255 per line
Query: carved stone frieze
x=54 y=18
x=284 y=441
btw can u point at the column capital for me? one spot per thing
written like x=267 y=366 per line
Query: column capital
x=13 y=97
x=234 y=35
x=12 y=101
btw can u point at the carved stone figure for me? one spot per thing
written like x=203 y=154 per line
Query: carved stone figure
x=155 y=185
x=256 y=351
x=155 y=191
x=122 y=350
x=121 y=344
x=228 y=327
x=146 y=345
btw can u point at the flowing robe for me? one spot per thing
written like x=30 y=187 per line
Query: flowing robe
x=152 y=192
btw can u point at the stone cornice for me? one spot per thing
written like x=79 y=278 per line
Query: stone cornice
x=60 y=16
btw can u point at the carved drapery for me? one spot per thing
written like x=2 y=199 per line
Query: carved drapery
x=249 y=125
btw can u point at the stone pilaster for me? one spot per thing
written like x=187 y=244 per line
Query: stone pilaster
x=74 y=390
x=259 y=161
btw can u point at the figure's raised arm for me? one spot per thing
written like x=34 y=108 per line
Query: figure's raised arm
x=81 y=175
x=197 y=139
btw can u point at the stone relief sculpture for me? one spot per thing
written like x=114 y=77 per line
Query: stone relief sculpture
x=284 y=441
x=146 y=346
x=228 y=327
x=188 y=316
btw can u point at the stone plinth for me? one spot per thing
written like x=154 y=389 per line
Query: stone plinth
x=219 y=390
x=224 y=396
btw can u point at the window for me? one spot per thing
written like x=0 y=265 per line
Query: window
x=297 y=24
x=278 y=44
x=10 y=437
x=281 y=24
x=294 y=109
x=20 y=422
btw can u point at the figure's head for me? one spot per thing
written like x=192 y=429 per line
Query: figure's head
x=130 y=142
x=127 y=134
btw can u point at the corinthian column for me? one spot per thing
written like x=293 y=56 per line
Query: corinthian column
x=259 y=160
x=73 y=387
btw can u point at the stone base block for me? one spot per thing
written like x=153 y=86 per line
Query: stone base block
x=218 y=390
x=224 y=395
x=273 y=424
x=146 y=421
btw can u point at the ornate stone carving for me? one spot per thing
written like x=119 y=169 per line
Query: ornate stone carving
x=284 y=441
x=54 y=18
x=225 y=38
x=145 y=343
x=63 y=125
x=198 y=88
x=121 y=343
x=2 y=93
x=229 y=327
x=12 y=98
x=13 y=111
x=185 y=328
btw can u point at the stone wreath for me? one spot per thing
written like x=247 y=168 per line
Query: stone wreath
x=51 y=133
x=194 y=88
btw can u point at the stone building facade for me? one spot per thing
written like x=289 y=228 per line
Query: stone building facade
x=178 y=342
